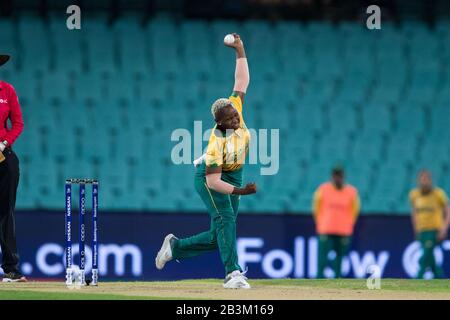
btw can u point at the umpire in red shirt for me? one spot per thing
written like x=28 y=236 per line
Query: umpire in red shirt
x=9 y=177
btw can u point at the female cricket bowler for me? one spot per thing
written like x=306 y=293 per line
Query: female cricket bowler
x=218 y=181
x=9 y=178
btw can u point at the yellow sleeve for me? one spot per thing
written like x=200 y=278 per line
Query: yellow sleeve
x=237 y=103
x=316 y=203
x=214 y=151
x=356 y=206
x=412 y=197
x=442 y=197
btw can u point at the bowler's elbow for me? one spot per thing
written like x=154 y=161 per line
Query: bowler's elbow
x=209 y=182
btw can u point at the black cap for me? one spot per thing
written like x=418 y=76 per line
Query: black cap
x=4 y=58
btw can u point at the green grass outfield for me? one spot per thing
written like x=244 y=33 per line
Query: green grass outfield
x=212 y=289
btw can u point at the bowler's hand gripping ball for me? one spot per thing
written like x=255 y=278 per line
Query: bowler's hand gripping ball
x=229 y=39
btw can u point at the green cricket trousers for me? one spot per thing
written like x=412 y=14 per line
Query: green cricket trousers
x=428 y=241
x=328 y=242
x=222 y=209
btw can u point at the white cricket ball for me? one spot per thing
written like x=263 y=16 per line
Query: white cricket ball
x=229 y=39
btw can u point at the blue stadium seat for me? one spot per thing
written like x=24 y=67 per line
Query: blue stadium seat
x=333 y=152
x=111 y=97
x=309 y=119
x=435 y=154
x=390 y=181
x=359 y=178
x=9 y=44
x=163 y=39
x=25 y=85
x=303 y=203
x=342 y=116
x=67 y=46
x=366 y=153
x=54 y=86
x=34 y=43
x=131 y=43
x=192 y=203
x=379 y=204
x=377 y=118
x=402 y=150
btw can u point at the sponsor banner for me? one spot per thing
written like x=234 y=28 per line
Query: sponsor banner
x=270 y=246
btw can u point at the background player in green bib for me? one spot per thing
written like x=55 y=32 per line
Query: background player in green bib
x=430 y=219
x=218 y=181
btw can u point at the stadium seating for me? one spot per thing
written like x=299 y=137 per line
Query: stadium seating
x=103 y=102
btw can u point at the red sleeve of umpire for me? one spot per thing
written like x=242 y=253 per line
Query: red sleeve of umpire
x=15 y=116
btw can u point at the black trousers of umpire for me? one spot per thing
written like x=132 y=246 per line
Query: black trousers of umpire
x=9 y=181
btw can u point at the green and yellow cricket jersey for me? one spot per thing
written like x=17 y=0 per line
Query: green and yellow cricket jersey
x=229 y=151
x=428 y=208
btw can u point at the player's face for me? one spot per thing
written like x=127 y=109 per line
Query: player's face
x=338 y=179
x=425 y=181
x=229 y=118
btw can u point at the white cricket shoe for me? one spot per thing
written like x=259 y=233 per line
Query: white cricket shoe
x=236 y=280
x=165 y=253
